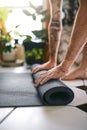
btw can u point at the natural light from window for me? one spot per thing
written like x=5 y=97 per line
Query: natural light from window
x=17 y=17
x=17 y=3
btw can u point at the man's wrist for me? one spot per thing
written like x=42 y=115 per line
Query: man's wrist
x=66 y=65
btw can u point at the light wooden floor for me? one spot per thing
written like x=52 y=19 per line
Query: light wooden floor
x=43 y=118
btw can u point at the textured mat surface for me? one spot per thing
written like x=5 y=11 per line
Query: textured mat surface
x=17 y=89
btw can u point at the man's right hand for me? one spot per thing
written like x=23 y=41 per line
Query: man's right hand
x=46 y=66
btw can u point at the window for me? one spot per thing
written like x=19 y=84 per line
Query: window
x=17 y=17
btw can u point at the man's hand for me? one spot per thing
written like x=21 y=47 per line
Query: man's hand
x=54 y=73
x=46 y=66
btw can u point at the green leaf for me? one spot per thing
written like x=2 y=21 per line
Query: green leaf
x=39 y=9
x=28 y=39
x=27 y=12
x=32 y=6
x=41 y=34
x=34 y=17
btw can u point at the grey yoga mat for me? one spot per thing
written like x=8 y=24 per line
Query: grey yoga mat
x=54 y=92
x=17 y=89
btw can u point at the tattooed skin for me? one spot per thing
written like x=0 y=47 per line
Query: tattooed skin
x=55 y=27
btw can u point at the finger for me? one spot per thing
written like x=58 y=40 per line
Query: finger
x=36 y=69
x=38 y=81
x=43 y=79
x=46 y=78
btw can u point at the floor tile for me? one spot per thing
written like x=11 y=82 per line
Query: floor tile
x=73 y=83
x=80 y=97
x=46 y=118
x=4 y=112
x=85 y=82
x=14 y=69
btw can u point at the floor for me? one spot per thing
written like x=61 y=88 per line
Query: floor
x=43 y=118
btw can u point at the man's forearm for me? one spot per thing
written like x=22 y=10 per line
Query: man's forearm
x=55 y=28
x=78 y=38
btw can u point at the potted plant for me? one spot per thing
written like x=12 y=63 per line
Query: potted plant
x=34 y=49
x=7 y=50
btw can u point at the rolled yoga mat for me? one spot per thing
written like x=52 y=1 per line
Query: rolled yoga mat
x=17 y=89
x=54 y=92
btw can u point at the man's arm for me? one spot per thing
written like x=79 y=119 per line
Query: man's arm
x=54 y=29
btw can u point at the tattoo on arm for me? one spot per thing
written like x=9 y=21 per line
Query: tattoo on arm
x=55 y=25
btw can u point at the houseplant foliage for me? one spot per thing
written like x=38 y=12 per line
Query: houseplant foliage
x=5 y=41
x=38 y=10
x=7 y=48
x=44 y=15
x=6 y=38
x=34 y=51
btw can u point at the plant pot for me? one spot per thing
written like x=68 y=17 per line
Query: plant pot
x=30 y=45
x=31 y=61
x=32 y=50
x=9 y=56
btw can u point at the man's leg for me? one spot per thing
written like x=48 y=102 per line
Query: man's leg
x=81 y=71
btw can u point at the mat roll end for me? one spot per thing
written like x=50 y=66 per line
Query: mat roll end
x=54 y=92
